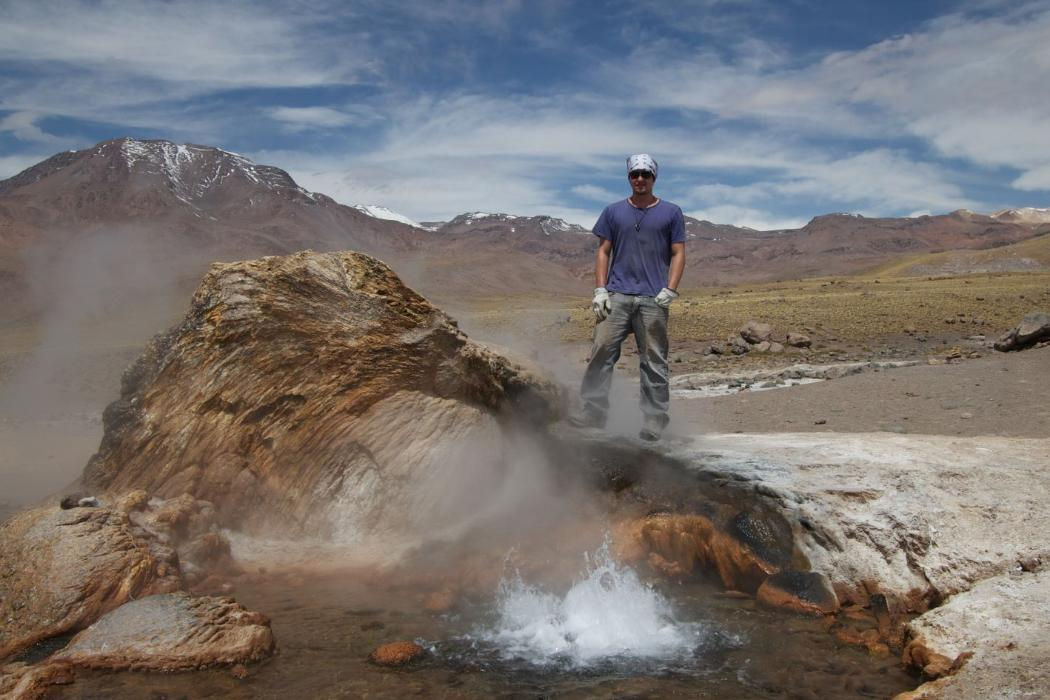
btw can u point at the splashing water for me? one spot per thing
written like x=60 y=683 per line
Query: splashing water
x=609 y=614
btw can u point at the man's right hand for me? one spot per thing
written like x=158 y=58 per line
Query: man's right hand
x=601 y=305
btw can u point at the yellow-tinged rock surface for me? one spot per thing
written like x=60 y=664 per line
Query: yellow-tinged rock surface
x=311 y=394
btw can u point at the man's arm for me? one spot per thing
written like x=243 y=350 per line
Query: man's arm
x=601 y=263
x=677 y=265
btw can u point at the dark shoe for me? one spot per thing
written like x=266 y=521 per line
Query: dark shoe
x=649 y=434
x=587 y=419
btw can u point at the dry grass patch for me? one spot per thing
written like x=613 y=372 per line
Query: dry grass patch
x=846 y=310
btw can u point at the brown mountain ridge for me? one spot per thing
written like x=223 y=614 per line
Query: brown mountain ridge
x=170 y=208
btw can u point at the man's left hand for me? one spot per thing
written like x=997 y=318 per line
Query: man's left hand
x=665 y=297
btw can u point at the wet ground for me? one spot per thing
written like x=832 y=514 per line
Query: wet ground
x=720 y=646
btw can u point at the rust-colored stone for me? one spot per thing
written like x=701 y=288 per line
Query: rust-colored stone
x=396 y=653
x=679 y=544
x=806 y=592
x=439 y=601
x=933 y=665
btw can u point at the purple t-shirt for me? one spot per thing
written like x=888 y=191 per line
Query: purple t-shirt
x=641 y=244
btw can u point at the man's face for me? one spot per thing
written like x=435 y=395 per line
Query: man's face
x=641 y=181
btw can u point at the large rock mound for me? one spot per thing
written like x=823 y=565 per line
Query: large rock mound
x=313 y=394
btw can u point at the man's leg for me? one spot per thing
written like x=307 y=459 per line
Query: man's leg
x=650 y=331
x=608 y=337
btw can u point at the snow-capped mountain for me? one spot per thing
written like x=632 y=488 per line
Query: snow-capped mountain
x=211 y=199
x=510 y=223
x=201 y=177
x=1024 y=215
x=380 y=212
x=193 y=171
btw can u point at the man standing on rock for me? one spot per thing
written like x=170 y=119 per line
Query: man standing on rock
x=640 y=262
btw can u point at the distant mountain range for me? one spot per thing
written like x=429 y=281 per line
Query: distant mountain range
x=173 y=208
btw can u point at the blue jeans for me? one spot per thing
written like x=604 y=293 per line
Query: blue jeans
x=639 y=315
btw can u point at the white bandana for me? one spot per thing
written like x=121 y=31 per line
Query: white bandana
x=642 y=161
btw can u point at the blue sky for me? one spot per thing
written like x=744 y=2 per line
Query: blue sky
x=760 y=113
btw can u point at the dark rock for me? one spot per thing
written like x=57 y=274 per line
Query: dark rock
x=769 y=537
x=70 y=501
x=802 y=591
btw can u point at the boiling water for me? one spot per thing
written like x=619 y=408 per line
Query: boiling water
x=607 y=634
x=608 y=614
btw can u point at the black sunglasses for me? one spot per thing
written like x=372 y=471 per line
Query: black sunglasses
x=639 y=173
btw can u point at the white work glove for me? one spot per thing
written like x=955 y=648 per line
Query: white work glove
x=665 y=297
x=601 y=305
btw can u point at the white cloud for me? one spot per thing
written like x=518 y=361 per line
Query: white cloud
x=431 y=189
x=876 y=181
x=597 y=194
x=1034 y=179
x=971 y=87
x=299 y=118
x=203 y=44
x=23 y=126
x=745 y=216
x=140 y=64
x=441 y=159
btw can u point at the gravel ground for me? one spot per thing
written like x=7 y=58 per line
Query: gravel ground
x=1001 y=394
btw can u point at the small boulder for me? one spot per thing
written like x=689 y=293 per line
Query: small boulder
x=439 y=601
x=396 y=653
x=755 y=332
x=806 y=592
x=1033 y=328
x=798 y=340
x=171 y=632
x=739 y=346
